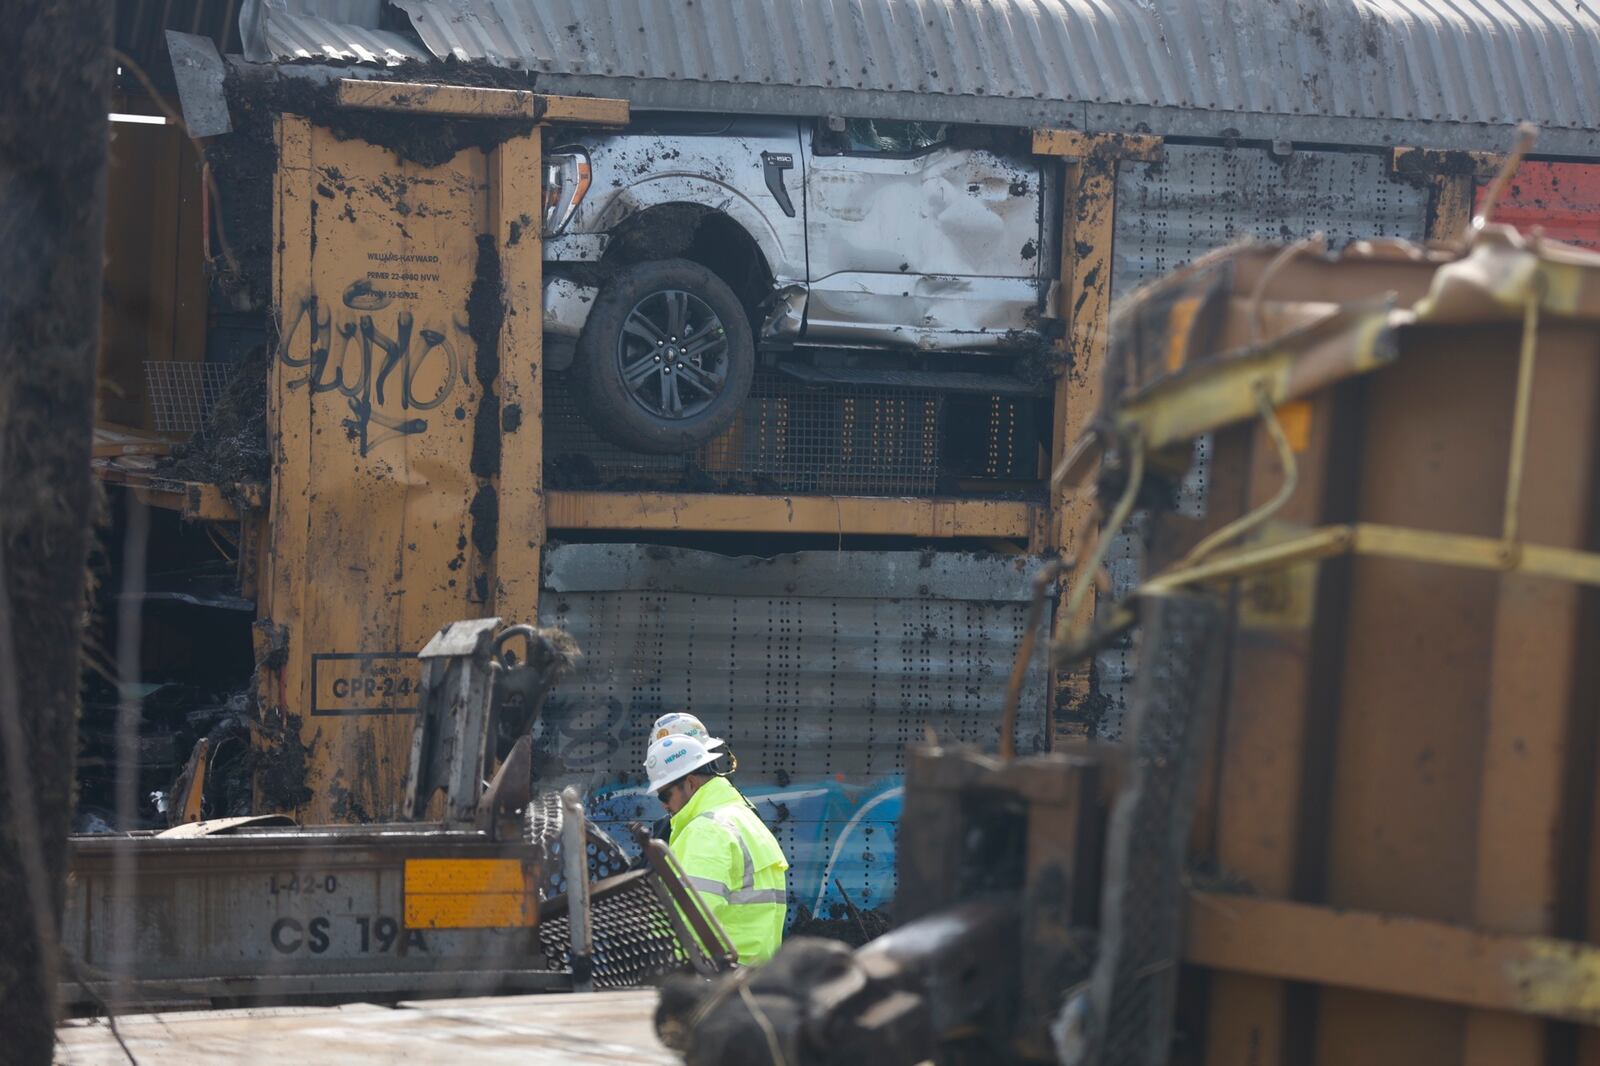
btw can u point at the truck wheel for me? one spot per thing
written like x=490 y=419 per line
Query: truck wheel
x=666 y=358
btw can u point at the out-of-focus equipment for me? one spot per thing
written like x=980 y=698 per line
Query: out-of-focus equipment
x=1398 y=445
x=1016 y=889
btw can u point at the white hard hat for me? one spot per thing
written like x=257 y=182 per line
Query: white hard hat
x=677 y=722
x=673 y=756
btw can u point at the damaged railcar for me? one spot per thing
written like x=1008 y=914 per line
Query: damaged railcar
x=926 y=443
x=841 y=195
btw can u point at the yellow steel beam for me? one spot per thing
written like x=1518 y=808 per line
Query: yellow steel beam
x=1394 y=955
x=1088 y=225
x=1454 y=177
x=1480 y=553
x=588 y=110
x=1352 y=340
x=1392 y=542
x=1074 y=144
x=385 y=512
x=207 y=502
x=835 y=515
x=465 y=101
x=197 y=500
x=514 y=169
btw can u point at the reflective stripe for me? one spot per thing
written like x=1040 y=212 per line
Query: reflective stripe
x=759 y=895
x=712 y=887
x=716 y=815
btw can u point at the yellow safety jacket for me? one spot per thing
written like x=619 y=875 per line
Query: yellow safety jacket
x=736 y=865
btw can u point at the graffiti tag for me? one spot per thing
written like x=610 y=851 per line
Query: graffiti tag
x=573 y=736
x=368 y=366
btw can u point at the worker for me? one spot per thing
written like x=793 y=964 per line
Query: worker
x=686 y=724
x=730 y=858
x=690 y=726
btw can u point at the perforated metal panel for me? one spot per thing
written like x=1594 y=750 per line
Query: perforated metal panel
x=857 y=440
x=862 y=440
x=818 y=667
x=1200 y=198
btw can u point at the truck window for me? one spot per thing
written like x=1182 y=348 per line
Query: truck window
x=891 y=137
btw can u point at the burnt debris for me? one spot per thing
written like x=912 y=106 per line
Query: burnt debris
x=234 y=446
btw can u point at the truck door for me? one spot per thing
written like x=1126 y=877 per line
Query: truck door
x=918 y=239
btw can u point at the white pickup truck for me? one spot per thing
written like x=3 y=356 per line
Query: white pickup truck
x=684 y=249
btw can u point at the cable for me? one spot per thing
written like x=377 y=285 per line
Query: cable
x=176 y=119
x=1291 y=480
x=762 y=1020
x=1119 y=517
x=1019 y=665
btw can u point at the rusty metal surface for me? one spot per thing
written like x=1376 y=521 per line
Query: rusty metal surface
x=1561 y=199
x=1537 y=703
x=819 y=667
x=1395 y=800
x=1461 y=815
x=605 y=1029
x=1279 y=689
x=1340 y=72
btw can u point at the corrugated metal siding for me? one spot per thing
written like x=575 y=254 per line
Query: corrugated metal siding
x=334 y=30
x=819 y=668
x=1200 y=198
x=1438 y=60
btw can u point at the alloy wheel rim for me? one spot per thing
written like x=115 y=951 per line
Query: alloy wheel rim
x=672 y=355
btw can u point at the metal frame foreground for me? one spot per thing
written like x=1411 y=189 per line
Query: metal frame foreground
x=275 y=914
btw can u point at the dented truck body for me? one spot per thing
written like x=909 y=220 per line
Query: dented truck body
x=782 y=242
x=891 y=234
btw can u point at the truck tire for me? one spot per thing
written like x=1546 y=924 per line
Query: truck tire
x=665 y=359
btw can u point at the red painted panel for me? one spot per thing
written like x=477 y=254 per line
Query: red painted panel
x=1561 y=198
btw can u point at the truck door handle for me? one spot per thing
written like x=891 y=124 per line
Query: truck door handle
x=773 y=164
